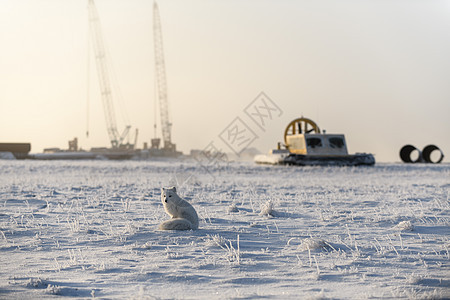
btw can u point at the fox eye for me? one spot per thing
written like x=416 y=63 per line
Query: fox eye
x=170 y=196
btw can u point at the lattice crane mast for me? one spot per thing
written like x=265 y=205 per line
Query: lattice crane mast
x=103 y=77
x=161 y=84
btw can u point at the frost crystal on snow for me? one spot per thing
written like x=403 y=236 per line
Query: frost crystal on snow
x=37 y=283
x=267 y=209
x=313 y=244
x=233 y=208
x=53 y=290
x=404 y=226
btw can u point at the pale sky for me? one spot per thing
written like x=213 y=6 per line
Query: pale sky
x=377 y=71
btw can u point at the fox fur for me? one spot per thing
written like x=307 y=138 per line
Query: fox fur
x=184 y=216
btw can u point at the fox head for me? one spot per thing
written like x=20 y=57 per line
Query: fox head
x=167 y=193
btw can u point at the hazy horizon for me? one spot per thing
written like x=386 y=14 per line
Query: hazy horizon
x=377 y=71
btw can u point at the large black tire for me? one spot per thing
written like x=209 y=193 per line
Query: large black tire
x=405 y=154
x=426 y=154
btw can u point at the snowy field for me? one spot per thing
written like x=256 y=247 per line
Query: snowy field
x=88 y=229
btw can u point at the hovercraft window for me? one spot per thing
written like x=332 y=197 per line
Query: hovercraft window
x=336 y=142
x=314 y=142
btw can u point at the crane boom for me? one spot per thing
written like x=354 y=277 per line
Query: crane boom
x=103 y=77
x=166 y=125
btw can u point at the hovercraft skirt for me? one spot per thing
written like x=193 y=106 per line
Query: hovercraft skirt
x=359 y=159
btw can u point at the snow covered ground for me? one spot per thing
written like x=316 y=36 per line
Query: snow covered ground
x=89 y=229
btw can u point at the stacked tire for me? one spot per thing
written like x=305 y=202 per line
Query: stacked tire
x=430 y=154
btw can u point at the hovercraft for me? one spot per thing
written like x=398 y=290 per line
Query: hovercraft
x=306 y=145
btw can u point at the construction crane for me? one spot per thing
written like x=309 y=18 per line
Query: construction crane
x=104 y=80
x=161 y=84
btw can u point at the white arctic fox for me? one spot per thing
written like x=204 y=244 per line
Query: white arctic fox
x=184 y=216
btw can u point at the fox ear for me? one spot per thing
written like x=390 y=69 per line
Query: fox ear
x=162 y=190
x=174 y=189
